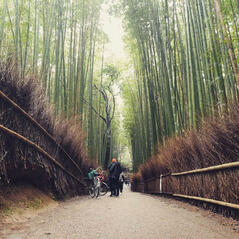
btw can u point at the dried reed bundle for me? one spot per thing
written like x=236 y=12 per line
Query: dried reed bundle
x=215 y=143
x=19 y=161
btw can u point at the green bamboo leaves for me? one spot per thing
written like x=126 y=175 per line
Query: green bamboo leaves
x=186 y=65
x=58 y=41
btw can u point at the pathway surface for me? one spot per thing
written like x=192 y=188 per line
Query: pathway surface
x=131 y=216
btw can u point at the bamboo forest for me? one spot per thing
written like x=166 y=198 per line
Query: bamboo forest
x=151 y=83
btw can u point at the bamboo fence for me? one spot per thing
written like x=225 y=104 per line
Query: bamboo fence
x=39 y=149
x=29 y=151
x=25 y=114
x=156 y=185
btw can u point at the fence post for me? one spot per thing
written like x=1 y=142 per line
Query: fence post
x=160 y=183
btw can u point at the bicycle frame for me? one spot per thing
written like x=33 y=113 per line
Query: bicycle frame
x=99 y=187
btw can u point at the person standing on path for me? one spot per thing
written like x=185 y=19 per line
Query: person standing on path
x=118 y=171
x=112 y=178
x=121 y=182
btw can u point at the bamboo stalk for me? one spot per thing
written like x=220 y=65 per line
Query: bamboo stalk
x=228 y=42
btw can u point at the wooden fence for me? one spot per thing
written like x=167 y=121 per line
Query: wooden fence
x=39 y=149
x=160 y=185
x=36 y=124
x=24 y=139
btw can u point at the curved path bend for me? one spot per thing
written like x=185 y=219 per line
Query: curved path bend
x=131 y=216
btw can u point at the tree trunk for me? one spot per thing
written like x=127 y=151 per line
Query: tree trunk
x=108 y=144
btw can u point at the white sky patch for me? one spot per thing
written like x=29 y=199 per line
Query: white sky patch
x=114 y=53
x=114 y=49
x=112 y=26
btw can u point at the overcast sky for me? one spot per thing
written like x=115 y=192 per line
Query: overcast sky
x=112 y=26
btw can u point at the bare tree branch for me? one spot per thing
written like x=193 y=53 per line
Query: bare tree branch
x=92 y=108
x=107 y=106
x=112 y=116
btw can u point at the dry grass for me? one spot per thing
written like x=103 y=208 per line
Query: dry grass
x=18 y=203
x=21 y=162
x=215 y=143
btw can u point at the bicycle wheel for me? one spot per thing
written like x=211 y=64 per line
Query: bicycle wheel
x=104 y=189
x=92 y=191
x=97 y=192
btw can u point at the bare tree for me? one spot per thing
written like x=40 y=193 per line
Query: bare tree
x=107 y=115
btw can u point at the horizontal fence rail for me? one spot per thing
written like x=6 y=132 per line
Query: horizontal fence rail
x=44 y=131
x=220 y=203
x=39 y=149
x=200 y=199
x=208 y=169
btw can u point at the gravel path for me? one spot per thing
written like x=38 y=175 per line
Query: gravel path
x=131 y=216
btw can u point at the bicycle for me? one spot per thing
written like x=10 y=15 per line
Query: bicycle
x=98 y=187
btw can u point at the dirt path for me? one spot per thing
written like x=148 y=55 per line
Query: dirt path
x=132 y=215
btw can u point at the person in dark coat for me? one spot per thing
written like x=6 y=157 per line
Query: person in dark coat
x=112 y=177
x=118 y=171
x=121 y=182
